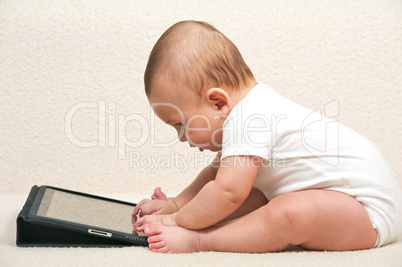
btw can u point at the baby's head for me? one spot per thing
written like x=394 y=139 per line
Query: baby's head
x=193 y=77
x=193 y=56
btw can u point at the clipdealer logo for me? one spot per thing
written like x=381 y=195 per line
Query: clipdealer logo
x=112 y=132
x=109 y=123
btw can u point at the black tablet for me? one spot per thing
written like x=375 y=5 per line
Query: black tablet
x=54 y=216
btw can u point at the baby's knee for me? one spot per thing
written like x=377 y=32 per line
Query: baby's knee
x=290 y=212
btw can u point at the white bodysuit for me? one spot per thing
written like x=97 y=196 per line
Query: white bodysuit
x=303 y=150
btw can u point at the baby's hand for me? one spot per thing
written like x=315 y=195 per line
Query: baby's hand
x=159 y=204
x=166 y=220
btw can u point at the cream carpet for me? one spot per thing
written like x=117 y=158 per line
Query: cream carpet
x=11 y=255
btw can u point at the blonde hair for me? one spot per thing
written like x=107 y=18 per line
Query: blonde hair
x=196 y=56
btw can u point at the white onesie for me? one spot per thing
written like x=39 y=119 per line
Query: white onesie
x=302 y=150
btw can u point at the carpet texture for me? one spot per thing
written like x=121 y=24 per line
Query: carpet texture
x=11 y=255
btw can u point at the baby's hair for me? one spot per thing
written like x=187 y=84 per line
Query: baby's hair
x=196 y=56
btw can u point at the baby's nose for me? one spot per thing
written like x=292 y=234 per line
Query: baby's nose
x=182 y=138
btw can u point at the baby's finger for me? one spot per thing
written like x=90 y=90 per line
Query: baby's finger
x=139 y=226
x=151 y=207
x=138 y=223
x=138 y=206
x=137 y=210
x=133 y=219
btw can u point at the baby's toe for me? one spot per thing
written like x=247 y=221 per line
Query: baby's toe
x=160 y=250
x=157 y=245
x=155 y=239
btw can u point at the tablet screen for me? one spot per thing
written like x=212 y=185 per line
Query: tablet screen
x=86 y=210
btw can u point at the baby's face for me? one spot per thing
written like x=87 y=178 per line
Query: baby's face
x=195 y=120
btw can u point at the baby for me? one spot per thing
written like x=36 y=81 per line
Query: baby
x=271 y=183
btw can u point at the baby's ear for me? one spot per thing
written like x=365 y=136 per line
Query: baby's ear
x=218 y=97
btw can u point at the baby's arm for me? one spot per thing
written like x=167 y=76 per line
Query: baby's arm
x=217 y=199
x=222 y=196
x=205 y=176
x=170 y=205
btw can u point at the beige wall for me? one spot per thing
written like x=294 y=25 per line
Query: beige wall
x=80 y=64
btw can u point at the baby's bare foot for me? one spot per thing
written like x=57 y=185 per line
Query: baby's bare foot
x=172 y=239
x=158 y=194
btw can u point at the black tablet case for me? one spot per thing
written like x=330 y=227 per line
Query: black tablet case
x=45 y=233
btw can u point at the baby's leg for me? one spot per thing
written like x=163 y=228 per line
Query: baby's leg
x=313 y=219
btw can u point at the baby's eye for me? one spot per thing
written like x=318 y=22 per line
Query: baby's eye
x=180 y=124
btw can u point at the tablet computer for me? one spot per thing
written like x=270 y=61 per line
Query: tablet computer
x=54 y=216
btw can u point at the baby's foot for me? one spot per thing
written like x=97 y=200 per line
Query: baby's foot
x=158 y=194
x=172 y=239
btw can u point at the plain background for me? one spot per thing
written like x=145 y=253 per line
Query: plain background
x=57 y=56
